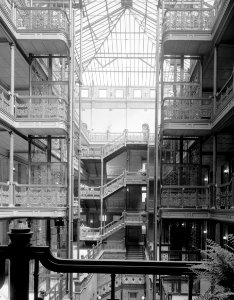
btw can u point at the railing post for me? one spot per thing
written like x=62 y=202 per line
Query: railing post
x=112 y=286
x=19 y=263
x=36 y=277
x=190 y=290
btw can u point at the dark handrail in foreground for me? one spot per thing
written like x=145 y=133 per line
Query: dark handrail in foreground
x=20 y=252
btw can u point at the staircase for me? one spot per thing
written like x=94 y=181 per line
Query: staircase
x=135 y=252
x=130 y=219
x=115 y=146
x=114 y=185
x=113 y=227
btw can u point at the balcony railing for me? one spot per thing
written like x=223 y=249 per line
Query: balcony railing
x=4 y=100
x=4 y=194
x=41 y=19
x=40 y=196
x=180 y=255
x=91 y=152
x=189 y=19
x=41 y=107
x=185 y=196
x=187 y=109
x=32 y=195
x=99 y=137
x=90 y=192
x=224 y=195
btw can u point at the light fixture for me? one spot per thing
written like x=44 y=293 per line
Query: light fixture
x=143 y=297
x=224 y=237
x=205 y=231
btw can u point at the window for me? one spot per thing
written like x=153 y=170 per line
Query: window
x=119 y=94
x=137 y=94
x=152 y=93
x=102 y=93
x=84 y=93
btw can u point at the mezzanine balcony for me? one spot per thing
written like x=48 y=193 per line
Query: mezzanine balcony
x=198 y=202
x=224 y=106
x=38 y=30
x=35 y=114
x=188 y=30
x=187 y=116
x=46 y=195
x=185 y=196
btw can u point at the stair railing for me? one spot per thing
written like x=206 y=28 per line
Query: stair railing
x=112 y=226
x=114 y=145
x=114 y=184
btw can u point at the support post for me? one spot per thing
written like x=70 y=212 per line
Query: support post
x=12 y=50
x=30 y=73
x=232 y=202
x=213 y=204
x=80 y=122
x=29 y=158
x=71 y=145
x=215 y=77
x=156 y=151
x=11 y=169
x=102 y=191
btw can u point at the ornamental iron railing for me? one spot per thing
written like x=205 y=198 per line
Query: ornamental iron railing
x=5 y=100
x=189 y=19
x=26 y=195
x=32 y=195
x=187 y=109
x=41 y=19
x=41 y=107
x=185 y=196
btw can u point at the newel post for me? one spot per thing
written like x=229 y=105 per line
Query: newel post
x=19 y=263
